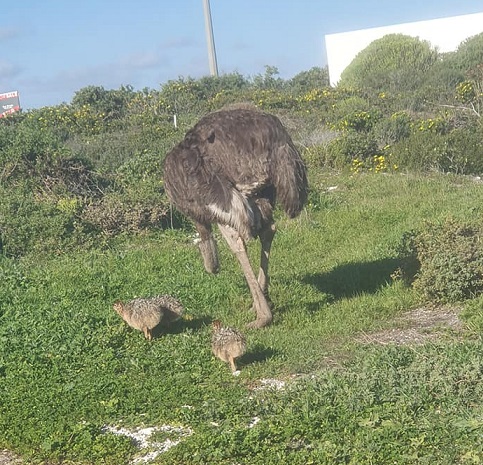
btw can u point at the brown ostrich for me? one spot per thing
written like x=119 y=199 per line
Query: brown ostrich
x=230 y=169
x=147 y=313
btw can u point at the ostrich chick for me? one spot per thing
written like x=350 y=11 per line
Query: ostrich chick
x=227 y=343
x=147 y=313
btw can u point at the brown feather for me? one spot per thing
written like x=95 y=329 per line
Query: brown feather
x=229 y=157
x=145 y=314
x=227 y=343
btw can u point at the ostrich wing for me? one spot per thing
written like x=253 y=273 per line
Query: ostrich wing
x=203 y=193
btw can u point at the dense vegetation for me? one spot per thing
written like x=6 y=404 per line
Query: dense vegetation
x=394 y=153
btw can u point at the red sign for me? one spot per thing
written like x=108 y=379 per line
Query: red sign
x=9 y=103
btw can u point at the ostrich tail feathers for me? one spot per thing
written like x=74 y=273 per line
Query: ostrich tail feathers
x=290 y=179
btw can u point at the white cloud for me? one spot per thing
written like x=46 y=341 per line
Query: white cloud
x=144 y=68
x=141 y=60
x=177 y=43
x=7 y=69
x=8 y=72
x=8 y=33
x=139 y=70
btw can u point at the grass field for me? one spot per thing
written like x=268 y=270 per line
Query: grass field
x=72 y=374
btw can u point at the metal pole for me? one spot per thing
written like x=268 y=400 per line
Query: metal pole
x=210 y=39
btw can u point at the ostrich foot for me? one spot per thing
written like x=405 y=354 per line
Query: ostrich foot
x=253 y=308
x=263 y=313
x=259 y=323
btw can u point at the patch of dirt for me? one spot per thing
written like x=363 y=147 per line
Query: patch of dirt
x=141 y=437
x=417 y=326
x=8 y=458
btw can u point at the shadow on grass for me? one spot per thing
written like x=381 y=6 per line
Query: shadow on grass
x=181 y=325
x=257 y=354
x=352 y=279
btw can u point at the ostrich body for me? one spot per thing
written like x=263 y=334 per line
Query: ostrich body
x=147 y=313
x=230 y=169
x=227 y=343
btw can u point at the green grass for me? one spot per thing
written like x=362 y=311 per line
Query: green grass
x=69 y=366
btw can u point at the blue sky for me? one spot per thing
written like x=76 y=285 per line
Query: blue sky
x=49 y=49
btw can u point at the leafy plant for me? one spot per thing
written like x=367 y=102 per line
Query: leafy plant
x=393 y=129
x=450 y=258
x=351 y=145
x=394 y=62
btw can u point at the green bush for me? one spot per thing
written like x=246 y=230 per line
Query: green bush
x=343 y=107
x=359 y=120
x=458 y=151
x=108 y=105
x=28 y=149
x=396 y=62
x=135 y=201
x=468 y=55
x=314 y=78
x=472 y=314
x=465 y=155
x=117 y=213
x=393 y=129
x=421 y=151
x=30 y=226
x=348 y=146
x=444 y=261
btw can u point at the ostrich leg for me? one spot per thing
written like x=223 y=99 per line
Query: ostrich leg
x=266 y=237
x=208 y=248
x=260 y=304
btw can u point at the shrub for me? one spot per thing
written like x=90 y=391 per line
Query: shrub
x=440 y=124
x=394 y=62
x=102 y=103
x=314 y=78
x=469 y=53
x=393 y=129
x=315 y=145
x=127 y=212
x=362 y=121
x=376 y=164
x=421 y=151
x=29 y=226
x=135 y=201
x=465 y=151
x=444 y=261
x=184 y=96
x=344 y=107
x=459 y=151
x=27 y=149
x=349 y=146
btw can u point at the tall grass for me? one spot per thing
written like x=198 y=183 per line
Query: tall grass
x=69 y=366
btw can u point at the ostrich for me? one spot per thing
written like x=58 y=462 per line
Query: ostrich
x=227 y=344
x=230 y=169
x=147 y=313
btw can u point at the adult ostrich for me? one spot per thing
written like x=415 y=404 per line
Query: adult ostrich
x=230 y=169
